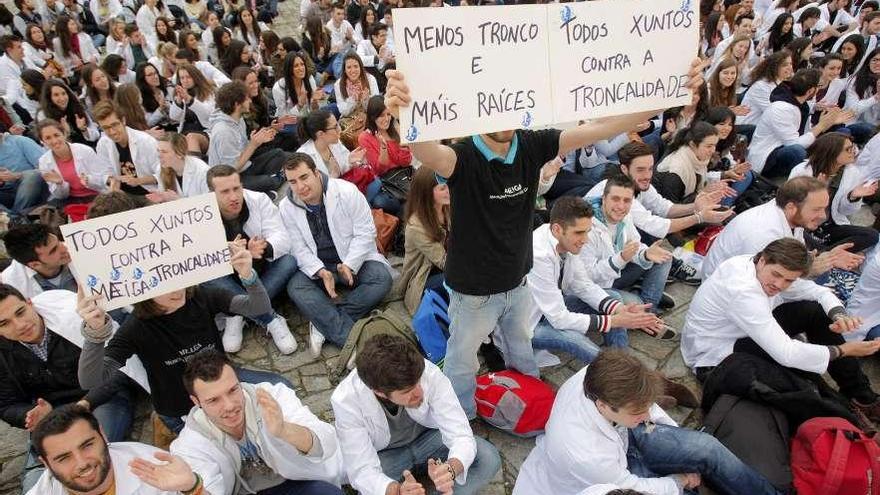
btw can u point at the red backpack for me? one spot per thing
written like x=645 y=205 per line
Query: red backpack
x=516 y=403
x=830 y=456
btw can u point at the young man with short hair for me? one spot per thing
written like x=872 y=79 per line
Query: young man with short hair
x=762 y=299
x=395 y=413
x=252 y=216
x=243 y=438
x=40 y=260
x=79 y=460
x=334 y=241
x=230 y=145
x=614 y=257
x=132 y=153
x=341 y=31
x=606 y=428
x=12 y=63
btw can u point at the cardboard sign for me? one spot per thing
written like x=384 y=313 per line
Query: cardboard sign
x=474 y=70
x=140 y=254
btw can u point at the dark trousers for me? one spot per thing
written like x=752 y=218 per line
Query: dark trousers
x=831 y=235
x=264 y=174
x=809 y=317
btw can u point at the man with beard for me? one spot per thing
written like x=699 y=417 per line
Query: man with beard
x=801 y=204
x=242 y=438
x=80 y=461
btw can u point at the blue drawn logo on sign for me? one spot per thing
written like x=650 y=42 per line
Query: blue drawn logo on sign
x=686 y=5
x=527 y=119
x=137 y=273
x=154 y=281
x=567 y=14
x=412 y=133
x=91 y=281
x=115 y=274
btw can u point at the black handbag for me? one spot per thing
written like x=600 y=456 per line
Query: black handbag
x=397 y=182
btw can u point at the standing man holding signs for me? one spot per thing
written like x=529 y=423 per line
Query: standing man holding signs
x=493 y=181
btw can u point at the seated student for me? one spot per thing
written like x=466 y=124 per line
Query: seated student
x=831 y=159
x=354 y=87
x=375 y=52
x=192 y=105
x=98 y=86
x=166 y=329
x=782 y=133
x=212 y=73
x=39 y=371
x=767 y=74
x=182 y=175
x=132 y=153
x=584 y=167
x=59 y=103
x=801 y=204
x=764 y=300
x=258 y=438
x=139 y=50
x=40 y=260
x=73 y=171
x=567 y=303
x=230 y=145
x=606 y=428
x=425 y=237
x=21 y=185
x=73 y=50
x=862 y=96
x=614 y=256
x=334 y=241
x=295 y=93
x=78 y=459
x=397 y=412
x=864 y=302
x=253 y=218
x=381 y=140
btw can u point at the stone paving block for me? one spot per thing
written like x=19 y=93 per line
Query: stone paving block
x=12 y=441
x=314 y=384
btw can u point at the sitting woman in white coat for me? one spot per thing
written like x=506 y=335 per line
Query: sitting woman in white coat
x=74 y=172
x=607 y=411
x=355 y=87
x=769 y=72
x=73 y=49
x=182 y=175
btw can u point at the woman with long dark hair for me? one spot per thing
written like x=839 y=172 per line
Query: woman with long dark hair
x=295 y=93
x=222 y=37
x=381 y=140
x=770 y=71
x=863 y=98
x=99 y=86
x=355 y=87
x=425 y=234
x=852 y=49
x=73 y=49
x=683 y=172
x=831 y=158
x=248 y=29
x=711 y=35
x=738 y=172
x=59 y=103
x=316 y=43
x=164 y=32
x=192 y=106
x=780 y=35
x=153 y=89
x=723 y=84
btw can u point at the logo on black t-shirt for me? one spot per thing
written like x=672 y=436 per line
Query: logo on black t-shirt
x=511 y=192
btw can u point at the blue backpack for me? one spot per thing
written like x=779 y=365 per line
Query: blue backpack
x=431 y=325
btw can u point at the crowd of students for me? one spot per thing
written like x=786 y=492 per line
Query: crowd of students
x=112 y=106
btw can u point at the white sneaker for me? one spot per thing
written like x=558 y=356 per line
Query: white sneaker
x=316 y=341
x=232 y=335
x=281 y=335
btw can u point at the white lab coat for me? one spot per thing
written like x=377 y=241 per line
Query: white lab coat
x=22 y=278
x=284 y=105
x=86 y=48
x=217 y=459
x=867 y=109
x=543 y=282
x=10 y=78
x=338 y=150
x=265 y=221
x=348 y=105
x=841 y=206
x=121 y=453
x=601 y=258
x=85 y=161
x=731 y=305
x=757 y=98
x=114 y=9
x=194 y=180
x=351 y=227
x=777 y=127
x=202 y=109
x=363 y=430
x=144 y=155
x=865 y=299
x=868 y=161
x=649 y=211
x=35 y=56
x=749 y=233
x=580 y=449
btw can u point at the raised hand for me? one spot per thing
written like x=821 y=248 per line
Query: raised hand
x=410 y=486
x=273 y=418
x=173 y=475
x=32 y=417
x=657 y=254
x=441 y=475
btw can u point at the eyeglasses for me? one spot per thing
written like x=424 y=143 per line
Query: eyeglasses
x=335 y=127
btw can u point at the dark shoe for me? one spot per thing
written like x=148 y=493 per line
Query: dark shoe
x=492 y=357
x=872 y=410
x=684 y=273
x=681 y=393
x=864 y=423
x=666 y=402
x=666 y=302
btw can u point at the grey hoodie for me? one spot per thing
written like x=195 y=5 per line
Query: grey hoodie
x=228 y=139
x=294 y=199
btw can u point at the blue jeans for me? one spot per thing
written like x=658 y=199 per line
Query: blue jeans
x=568 y=183
x=861 y=132
x=740 y=187
x=22 y=195
x=429 y=445
x=302 y=487
x=114 y=416
x=783 y=159
x=335 y=319
x=573 y=342
x=873 y=333
x=653 y=281
x=671 y=450
x=274 y=276
x=471 y=320
x=175 y=424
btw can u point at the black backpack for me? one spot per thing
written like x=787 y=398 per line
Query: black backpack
x=758 y=434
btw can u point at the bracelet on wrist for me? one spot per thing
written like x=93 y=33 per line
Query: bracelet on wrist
x=196 y=488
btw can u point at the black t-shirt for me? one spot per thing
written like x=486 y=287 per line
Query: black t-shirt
x=164 y=342
x=126 y=168
x=490 y=242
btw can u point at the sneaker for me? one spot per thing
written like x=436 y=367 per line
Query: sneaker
x=684 y=273
x=682 y=395
x=871 y=411
x=666 y=302
x=232 y=334
x=316 y=341
x=281 y=335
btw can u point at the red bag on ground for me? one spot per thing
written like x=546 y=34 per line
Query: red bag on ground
x=705 y=239
x=830 y=456
x=516 y=403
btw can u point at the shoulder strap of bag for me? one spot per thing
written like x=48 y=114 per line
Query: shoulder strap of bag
x=836 y=464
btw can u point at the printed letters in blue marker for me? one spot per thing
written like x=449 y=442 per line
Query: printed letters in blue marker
x=412 y=133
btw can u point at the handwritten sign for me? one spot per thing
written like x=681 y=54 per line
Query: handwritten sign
x=484 y=69
x=140 y=254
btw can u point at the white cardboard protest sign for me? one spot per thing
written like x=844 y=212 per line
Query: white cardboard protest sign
x=140 y=254
x=474 y=70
